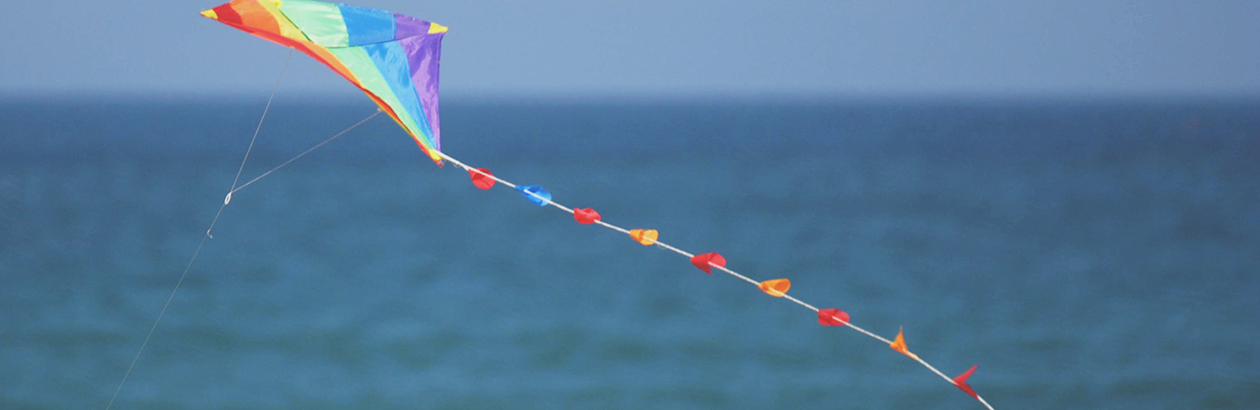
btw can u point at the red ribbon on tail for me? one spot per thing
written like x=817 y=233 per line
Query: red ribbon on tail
x=961 y=382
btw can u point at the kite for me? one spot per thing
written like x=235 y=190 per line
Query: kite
x=395 y=59
x=391 y=57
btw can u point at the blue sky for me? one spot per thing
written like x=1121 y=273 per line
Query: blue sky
x=674 y=47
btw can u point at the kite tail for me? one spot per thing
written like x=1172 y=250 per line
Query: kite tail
x=484 y=179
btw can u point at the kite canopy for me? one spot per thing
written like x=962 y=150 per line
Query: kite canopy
x=391 y=57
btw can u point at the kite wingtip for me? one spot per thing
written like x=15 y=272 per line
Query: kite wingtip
x=210 y=14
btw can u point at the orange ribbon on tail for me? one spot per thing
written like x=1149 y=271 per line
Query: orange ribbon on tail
x=775 y=287
x=645 y=237
x=899 y=344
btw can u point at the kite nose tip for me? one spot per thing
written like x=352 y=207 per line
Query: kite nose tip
x=210 y=14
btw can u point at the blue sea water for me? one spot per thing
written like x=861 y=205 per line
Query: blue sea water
x=1087 y=254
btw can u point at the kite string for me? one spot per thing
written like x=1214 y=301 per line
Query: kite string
x=308 y=151
x=205 y=236
x=287 y=58
x=721 y=268
x=209 y=236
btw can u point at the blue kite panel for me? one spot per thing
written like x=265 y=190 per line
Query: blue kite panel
x=367 y=26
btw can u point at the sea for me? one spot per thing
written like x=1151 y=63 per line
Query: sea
x=1087 y=253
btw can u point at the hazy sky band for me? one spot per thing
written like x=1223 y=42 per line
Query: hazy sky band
x=576 y=47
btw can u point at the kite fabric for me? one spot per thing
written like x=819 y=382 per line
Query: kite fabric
x=391 y=57
x=395 y=60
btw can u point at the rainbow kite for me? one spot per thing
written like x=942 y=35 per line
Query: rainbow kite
x=395 y=60
x=391 y=57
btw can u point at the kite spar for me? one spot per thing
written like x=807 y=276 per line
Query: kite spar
x=395 y=60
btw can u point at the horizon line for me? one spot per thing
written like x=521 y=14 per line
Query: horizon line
x=665 y=97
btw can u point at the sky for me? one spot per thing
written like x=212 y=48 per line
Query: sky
x=673 y=47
